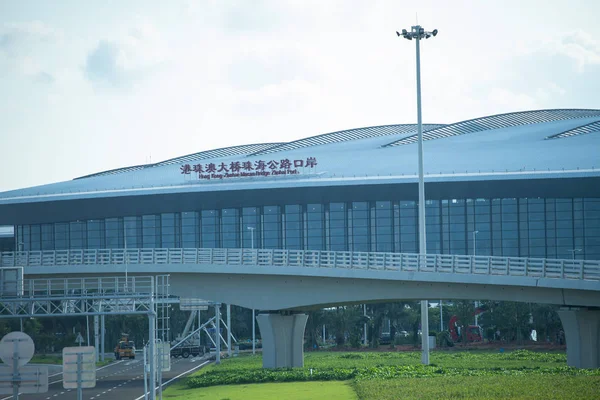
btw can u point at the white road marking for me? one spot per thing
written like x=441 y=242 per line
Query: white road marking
x=60 y=373
x=178 y=376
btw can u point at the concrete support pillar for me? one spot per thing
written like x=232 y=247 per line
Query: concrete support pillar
x=582 y=333
x=282 y=339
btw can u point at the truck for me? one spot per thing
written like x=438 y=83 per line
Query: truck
x=186 y=350
x=125 y=348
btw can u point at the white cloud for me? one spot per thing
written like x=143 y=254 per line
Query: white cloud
x=579 y=46
x=121 y=61
x=21 y=48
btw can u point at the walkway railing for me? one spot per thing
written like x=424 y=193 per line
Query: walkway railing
x=408 y=262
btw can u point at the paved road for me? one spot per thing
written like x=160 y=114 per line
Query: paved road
x=123 y=380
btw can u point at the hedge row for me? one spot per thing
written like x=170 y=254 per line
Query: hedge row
x=216 y=377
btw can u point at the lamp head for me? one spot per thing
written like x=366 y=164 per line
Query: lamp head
x=434 y=32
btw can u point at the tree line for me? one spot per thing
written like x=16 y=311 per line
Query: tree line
x=393 y=322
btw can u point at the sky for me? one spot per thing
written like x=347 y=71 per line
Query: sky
x=92 y=86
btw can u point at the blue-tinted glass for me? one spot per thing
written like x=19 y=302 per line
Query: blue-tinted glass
x=209 y=223
x=61 y=236
x=272 y=227
x=230 y=228
x=47 y=237
x=35 y=237
x=151 y=231
x=293 y=227
x=315 y=227
x=114 y=232
x=95 y=234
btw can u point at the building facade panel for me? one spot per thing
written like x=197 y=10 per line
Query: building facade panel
x=526 y=227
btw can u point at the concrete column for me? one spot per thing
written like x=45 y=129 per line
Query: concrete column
x=282 y=339
x=582 y=333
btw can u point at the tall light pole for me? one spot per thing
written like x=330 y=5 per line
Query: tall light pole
x=474 y=254
x=126 y=253
x=251 y=229
x=573 y=251
x=19 y=249
x=418 y=33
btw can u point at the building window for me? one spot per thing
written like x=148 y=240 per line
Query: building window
x=190 y=237
x=433 y=226
x=61 y=236
x=271 y=227
x=251 y=237
x=170 y=230
x=133 y=232
x=35 y=238
x=230 y=227
x=210 y=228
x=338 y=227
x=315 y=227
x=591 y=219
x=292 y=222
x=77 y=235
x=408 y=226
x=47 y=237
x=384 y=228
x=151 y=231
x=114 y=232
x=95 y=234
x=359 y=226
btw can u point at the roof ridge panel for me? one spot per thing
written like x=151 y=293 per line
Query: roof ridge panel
x=202 y=155
x=592 y=127
x=505 y=120
x=346 y=135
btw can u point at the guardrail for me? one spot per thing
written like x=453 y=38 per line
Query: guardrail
x=409 y=262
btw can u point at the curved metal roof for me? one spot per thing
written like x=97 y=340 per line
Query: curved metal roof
x=346 y=135
x=360 y=156
x=202 y=155
x=499 y=121
x=582 y=130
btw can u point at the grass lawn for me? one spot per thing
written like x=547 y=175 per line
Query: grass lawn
x=396 y=375
x=44 y=359
x=452 y=359
x=481 y=387
x=333 y=390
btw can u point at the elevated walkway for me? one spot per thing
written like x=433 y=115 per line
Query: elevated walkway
x=285 y=282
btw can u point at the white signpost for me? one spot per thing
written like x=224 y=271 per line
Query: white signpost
x=79 y=368
x=164 y=356
x=16 y=350
x=79 y=339
x=191 y=304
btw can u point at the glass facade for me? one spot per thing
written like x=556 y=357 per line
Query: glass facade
x=525 y=227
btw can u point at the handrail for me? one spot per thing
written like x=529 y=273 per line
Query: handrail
x=408 y=262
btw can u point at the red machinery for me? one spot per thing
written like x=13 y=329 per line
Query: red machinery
x=474 y=333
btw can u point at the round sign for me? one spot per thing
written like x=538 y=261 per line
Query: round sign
x=16 y=342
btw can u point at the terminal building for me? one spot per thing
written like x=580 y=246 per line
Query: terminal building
x=523 y=184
